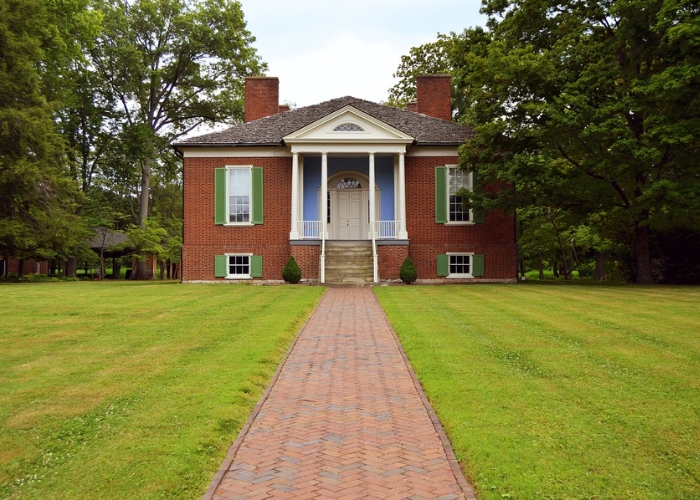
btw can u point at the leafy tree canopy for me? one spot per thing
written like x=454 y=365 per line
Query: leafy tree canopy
x=592 y=107
x=170 y=66
x=38 y=41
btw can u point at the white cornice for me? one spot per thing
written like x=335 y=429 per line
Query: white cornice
x=349 y=148
x=265 y=152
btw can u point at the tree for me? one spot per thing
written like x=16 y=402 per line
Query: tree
x=37 y=40
x=449 y=54
x=172 y=65
x=429 y=58
x=600 y=99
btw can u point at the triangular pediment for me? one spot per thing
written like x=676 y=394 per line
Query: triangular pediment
x=348 y=125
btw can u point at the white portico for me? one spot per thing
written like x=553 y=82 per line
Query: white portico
x=339 y=155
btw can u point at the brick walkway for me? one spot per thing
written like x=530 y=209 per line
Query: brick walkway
x=343 y=419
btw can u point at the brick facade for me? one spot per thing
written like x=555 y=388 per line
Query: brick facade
x=495 y=238
x=203 y=239
x=307 y=256
x=390 y=258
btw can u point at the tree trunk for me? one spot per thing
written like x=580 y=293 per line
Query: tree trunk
x=102 y=264
x=599 y=273
x=20 y=269
x=641 y=243
x=140 y=268
x=70 y=267
x=522 y=267
x=541 y=266
x=116 y=269
x=555 y=268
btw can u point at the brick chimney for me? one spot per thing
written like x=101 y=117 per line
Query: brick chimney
x=262 y=95
x=434 y=96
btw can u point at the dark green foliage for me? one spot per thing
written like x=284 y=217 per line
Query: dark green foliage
x=408 y=271
x=586 y=109
x=292 y=271
x=37 y=215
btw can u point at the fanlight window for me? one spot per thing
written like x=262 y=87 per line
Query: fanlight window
x=349 y=183
x=348 y=127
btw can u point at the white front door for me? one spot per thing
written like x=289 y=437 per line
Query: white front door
x=349 y=214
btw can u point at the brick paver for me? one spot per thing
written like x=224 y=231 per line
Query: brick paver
x=344 y=419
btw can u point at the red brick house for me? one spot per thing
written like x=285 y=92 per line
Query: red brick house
x=298 y=183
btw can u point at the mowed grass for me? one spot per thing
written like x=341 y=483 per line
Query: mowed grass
x=555 y=391
x=133 y=390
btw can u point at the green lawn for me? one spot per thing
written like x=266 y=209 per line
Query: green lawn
x=123 y=390
x=561 y=391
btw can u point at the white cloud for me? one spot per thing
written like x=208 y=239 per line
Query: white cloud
x=348 y=64
x=321 y=49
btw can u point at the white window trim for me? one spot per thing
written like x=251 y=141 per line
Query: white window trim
x=470 y=222
x=250 y=196
x=462 y=275
x=238 y=276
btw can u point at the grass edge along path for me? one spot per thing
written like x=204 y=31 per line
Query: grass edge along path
x=133 y=390
x=561 y=391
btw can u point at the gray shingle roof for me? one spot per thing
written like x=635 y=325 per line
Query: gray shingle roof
x=270 y=130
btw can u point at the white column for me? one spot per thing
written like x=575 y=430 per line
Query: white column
x=323 y=225
x=294 y=232
x=372 y=194
x=300 y=208
x=403 y=233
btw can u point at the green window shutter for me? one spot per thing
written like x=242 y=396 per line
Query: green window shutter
x=443 y=265
x=256 y=266
x=220 y=196
x=440 y=195
x=477 y=265
x=220 y=265
x=257 y=216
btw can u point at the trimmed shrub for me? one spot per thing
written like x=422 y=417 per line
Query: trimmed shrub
x=408 y=271
x=292 y=271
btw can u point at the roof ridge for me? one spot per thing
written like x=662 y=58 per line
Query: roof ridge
x=270 y=130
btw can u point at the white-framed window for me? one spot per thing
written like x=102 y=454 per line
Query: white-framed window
x=457 y=180
x=238 y=266
x=238 y=195
x=459 y=265
x=239 y=187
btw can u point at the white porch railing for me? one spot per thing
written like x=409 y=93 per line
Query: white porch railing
x=309 y=230
x=386 y=229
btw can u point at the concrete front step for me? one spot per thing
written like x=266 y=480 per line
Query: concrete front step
x=349 y=262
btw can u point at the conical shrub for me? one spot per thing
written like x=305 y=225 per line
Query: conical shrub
x=408 y=271
x=292 y=271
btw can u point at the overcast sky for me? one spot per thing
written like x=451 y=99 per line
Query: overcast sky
x=320 y=49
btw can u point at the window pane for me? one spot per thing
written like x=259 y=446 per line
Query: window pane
x=239 y=265
x=458 y=179
x=460 y=264
x=239 y=195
